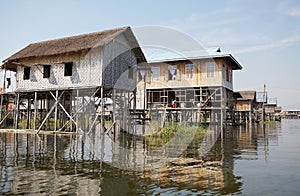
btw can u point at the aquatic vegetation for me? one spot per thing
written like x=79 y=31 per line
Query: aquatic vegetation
x=175 y=133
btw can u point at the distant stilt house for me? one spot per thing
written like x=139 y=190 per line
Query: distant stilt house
x=272 y=111
x=245 y=104
x=63 y=84
x=196 y=86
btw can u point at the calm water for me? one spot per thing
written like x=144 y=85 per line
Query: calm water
x=257 y=160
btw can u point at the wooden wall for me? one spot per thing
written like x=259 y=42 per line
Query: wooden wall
x=199 y=77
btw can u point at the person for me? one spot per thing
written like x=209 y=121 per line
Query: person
x=174 y=103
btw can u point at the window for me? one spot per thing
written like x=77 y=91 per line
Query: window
x=210 y=69
x=155 y=74
x=189 y=71
x=68 y=69
x=172 y=72
x=26 y=75
x=8 y=80
x=46 y=72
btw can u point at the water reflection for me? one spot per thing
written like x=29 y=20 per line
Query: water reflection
x=97 y=164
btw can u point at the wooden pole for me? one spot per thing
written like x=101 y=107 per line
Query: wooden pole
x=114 y=111
x=28 y=111
x=102 y=108
x=76 y=106
x=1 y=104
x=263 y=105
x=17 y=112
x=35 y=110
x=55 y=113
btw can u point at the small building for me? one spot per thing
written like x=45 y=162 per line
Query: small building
x=245 y=103
x=60 y=81
x=270 y=108
x=200 y=83
x=291 y=114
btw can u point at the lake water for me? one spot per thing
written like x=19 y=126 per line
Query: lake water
x=246 y=160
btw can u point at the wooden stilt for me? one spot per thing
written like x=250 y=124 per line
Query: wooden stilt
x=17 y=112
x=1 y=104
x=76 y=106
x=55 y=113
x=35 y=111
x=102 y=108
x=63 y=108
x=49 y=113
x=114 y=111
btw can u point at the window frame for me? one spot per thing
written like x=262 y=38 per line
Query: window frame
x=26 y=73
x=46 y=71
x=170 y=76
x=189 y=71
x=68 y=70
x=210 y=69
x=155 y=73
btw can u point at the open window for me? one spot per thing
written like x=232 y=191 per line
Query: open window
x=8 y=80
x=68 y=69
x=26 y=75
x=46 y=71
x=172 y=72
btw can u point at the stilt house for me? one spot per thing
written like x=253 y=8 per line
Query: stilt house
x=199 y=83
x=244 y=106
x=59 y=81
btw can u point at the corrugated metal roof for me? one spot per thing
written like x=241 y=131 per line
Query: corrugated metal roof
x=164 y=55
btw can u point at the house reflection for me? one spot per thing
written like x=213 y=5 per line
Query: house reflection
x=93 y=164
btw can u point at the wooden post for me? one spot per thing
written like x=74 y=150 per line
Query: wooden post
x=55 y=113
x=114 y=110
x=17 y=112
x=102 y=108
x=35 y=110
x=76 y=106
x=28 y=111
x=263 y=105
x=1 y=104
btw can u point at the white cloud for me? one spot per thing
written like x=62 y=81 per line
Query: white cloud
x=276 y=44
x=293 y=12
x=290 y=8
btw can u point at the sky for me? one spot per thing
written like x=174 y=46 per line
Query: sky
x=264 y=36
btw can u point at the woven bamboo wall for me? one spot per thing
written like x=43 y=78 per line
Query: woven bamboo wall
x=87 y=70
x=118 y=58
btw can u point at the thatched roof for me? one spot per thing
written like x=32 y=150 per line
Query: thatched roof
x=71 y=44
x=246 y=95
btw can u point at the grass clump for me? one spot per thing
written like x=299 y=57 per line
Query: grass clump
x=177 y=133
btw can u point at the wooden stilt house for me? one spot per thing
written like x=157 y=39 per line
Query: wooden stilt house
x=245 y=105
x=196 y=85
x=60 y=82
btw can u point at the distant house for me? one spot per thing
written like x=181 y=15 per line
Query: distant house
x=245 y=104
x=291 y=114
x=200 y=80
x=56 y=75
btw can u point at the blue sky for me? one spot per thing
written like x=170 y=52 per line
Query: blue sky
x=264 y=36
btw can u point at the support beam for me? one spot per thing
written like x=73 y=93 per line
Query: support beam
x=16 y=117
x=66 y=112
x=49 y=113
x=35 y=110
x=55 y=113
